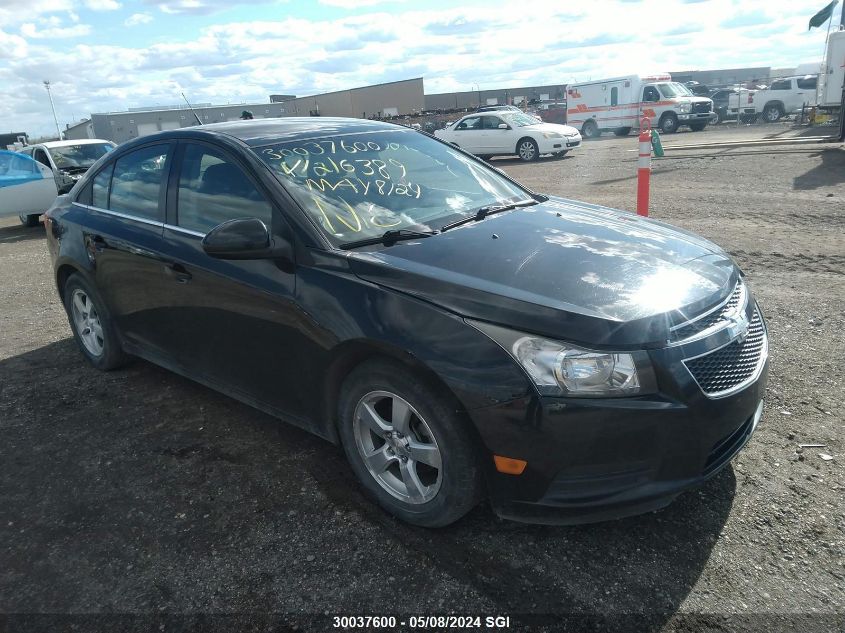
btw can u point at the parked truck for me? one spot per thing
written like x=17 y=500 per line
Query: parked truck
x=617 y=105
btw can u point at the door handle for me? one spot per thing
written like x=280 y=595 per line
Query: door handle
x=178 y=272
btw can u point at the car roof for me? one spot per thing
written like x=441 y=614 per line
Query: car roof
x=256 y=132
x=81 y=141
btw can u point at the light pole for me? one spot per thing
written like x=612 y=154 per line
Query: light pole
x=53 y=107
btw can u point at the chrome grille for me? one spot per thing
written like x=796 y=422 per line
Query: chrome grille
x=733 y=366
x=735 y=303
x=701 y=107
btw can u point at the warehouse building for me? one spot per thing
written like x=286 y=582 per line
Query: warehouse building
x=499 y=96
x=382 y=100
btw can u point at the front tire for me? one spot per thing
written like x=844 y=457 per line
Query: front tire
x=527 y=150
x=590 y=129
x=91 y=324
x=697 y=127
x=408 y=445
x=30 y=220
x=669 y=123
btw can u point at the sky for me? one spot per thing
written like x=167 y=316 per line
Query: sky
x=111 y=55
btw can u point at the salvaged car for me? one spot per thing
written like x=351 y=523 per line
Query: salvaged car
x=27 y=188
x=461 y=336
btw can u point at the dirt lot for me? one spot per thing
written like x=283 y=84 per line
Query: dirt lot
x=140 y=492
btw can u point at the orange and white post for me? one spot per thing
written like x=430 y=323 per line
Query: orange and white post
x=644 y=166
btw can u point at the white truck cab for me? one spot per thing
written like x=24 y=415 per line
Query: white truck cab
x=618 y=104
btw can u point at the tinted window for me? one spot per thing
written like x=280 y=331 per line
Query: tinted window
x=136 y=184
x=41 y=157
x=806 y=83
x=100 y=191
x=491 y=122
x=470 y=123
x=650 y=94
x=212 y=190
x=783 y=84
x=614 y=96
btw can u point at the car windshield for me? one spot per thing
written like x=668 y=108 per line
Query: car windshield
x=674 y=89
x=518 y=119
x=80 y=156
x=357 y=186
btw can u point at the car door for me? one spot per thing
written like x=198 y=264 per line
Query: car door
x=231 y=323
x=122 y=235
x=496 y=140
x=468 y=134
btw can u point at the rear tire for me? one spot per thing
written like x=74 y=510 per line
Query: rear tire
x=622 y=131
x=772 y=113
x=91 y=324
x=396 y=430
x=30 y=220
x=697 y=127
x=590 y=129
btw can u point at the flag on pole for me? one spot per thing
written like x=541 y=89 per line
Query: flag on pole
x=823 y=16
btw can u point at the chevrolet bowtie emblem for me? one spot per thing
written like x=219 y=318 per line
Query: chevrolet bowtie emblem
x=738 y=327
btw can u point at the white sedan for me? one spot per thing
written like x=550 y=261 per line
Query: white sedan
x=501 y=133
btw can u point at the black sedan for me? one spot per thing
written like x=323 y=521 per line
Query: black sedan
x=459 y=335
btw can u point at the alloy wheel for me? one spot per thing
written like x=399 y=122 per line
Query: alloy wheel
x=397 y=447
x=526 y=150
x=87 y=322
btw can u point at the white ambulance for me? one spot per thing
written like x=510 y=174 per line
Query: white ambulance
x=617 y=105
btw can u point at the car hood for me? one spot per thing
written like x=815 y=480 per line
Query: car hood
x=565 y=130
x=564 y=269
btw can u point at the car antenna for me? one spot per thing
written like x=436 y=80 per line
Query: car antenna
x=192 y=109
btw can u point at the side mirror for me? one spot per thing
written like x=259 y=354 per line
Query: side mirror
x=245 y=238
x=504 y=126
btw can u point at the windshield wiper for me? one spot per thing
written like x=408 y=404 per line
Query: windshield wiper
x=483 y=212
x=388 y=238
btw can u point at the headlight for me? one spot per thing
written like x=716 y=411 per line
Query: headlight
x=684 y=107
x=561 y=369
x=552 y=135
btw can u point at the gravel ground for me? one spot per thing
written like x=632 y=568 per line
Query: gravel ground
x=140 y=492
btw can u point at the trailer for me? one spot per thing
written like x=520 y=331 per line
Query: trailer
x=617 y=105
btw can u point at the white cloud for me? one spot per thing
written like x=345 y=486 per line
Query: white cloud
x=138 y=18
x=102 y=5
x=357 y=4
x=31 y=31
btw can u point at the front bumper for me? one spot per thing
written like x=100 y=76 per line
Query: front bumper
x=597 y=459
x=563 y=144
x=694 y=116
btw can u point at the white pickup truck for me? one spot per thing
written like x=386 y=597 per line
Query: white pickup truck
x=786 y=96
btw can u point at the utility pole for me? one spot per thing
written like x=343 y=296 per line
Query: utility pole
x=53 y=107
x=842 y=101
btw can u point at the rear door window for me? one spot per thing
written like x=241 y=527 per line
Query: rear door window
x=213 y=189
x=782 y=84
x=137 y=182
x=806 y=83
